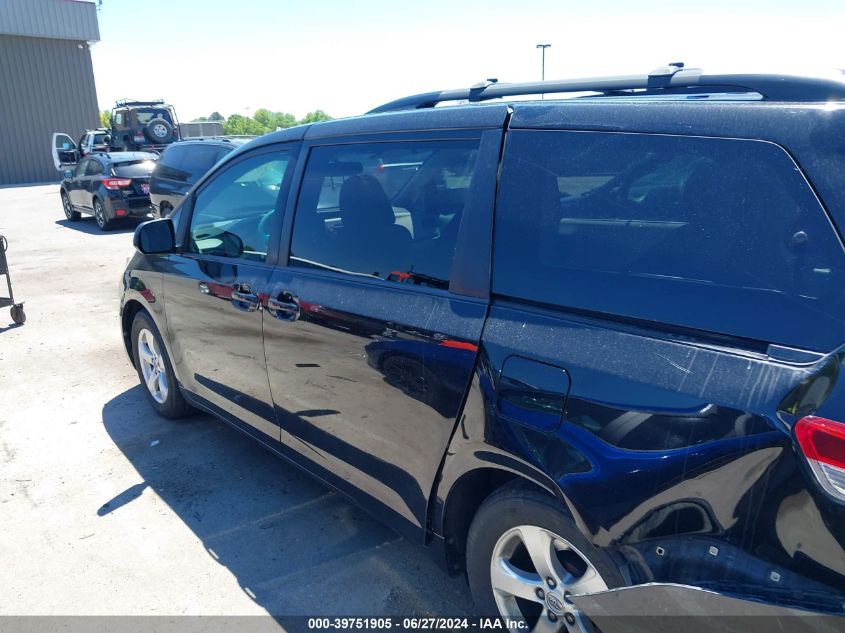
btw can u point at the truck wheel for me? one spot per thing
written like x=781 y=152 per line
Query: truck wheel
x=158 y=131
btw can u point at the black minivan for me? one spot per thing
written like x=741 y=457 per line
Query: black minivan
x=584 y=350
x=181 y=165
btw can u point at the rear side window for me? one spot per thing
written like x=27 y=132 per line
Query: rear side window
x=144 y=116
x=188 y=163
x=722 y=235
x=134 y=169
x=384 y=210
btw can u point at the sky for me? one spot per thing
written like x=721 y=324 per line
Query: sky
x=347 y=56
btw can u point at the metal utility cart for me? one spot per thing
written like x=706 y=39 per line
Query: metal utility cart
x=17 y=312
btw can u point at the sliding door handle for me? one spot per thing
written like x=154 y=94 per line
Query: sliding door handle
x=285 y=307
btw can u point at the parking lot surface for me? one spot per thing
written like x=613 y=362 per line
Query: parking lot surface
x=107 y=509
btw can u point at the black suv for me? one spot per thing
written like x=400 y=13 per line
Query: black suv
x=111 y=187
x=181 y=165
x=143 y=125
x=586 y=350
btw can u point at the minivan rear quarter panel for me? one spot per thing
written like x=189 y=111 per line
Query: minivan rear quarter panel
x=673 y=453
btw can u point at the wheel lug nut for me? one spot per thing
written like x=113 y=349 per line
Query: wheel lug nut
x=552 y=617
x=551 y=583
x=540 y=593
x=570 y=619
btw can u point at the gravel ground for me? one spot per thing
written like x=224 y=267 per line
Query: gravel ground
x=107 y=509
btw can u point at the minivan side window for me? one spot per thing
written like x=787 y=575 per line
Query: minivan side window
x=721 y=235
x=188 y=163
x=170 y=164
x=387 y=211
x=232 y=213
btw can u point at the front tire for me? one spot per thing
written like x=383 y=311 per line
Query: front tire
x=70 y=214
x=100 y=217
x=155 y=370
x=525 y=558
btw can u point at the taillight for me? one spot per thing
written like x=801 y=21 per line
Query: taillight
x=116 y=183
x=823 y=443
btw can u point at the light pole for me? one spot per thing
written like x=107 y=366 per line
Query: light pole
x=543 y=48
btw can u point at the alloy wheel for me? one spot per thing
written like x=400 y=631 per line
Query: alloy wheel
x=99 y=214
x=534 y=572
x=152 y=366
x=67 y=208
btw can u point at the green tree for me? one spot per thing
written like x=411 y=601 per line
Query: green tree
x=216 y=116
x=239 y=124
x=105 y=118
x=264 y=117
x=283 y=120
x=314 y=117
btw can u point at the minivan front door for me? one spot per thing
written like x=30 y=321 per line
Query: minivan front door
x=369 y=353
x=214 y=288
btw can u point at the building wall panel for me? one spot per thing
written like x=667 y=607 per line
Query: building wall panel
x=58 y=19
x=46 y=86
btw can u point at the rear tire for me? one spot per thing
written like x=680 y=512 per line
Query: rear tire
x=100 y=216
x=70 y=214
x=521 y=543
x=155 y=370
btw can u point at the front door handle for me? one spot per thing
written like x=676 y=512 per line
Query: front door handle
x=285 y=308
x=243 y=298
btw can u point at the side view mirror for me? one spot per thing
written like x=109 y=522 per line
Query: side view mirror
x=155 y=236
x=68 y=173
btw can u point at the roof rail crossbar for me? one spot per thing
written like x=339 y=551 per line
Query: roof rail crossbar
x=667 y=79
x=132 y=102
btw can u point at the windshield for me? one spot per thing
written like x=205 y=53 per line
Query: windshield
x=134 y=169
x=146 y=115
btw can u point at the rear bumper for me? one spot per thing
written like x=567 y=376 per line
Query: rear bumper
x=131 y=207
x=659 y=607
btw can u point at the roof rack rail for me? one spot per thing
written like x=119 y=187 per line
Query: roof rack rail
x=670 y=79
x=132 y=102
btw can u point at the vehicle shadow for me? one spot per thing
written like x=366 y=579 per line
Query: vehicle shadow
x=295 y=547
x=86 y=224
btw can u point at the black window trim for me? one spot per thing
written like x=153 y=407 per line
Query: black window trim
x=187 y=207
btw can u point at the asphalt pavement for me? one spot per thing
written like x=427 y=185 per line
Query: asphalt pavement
x=108 y=509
